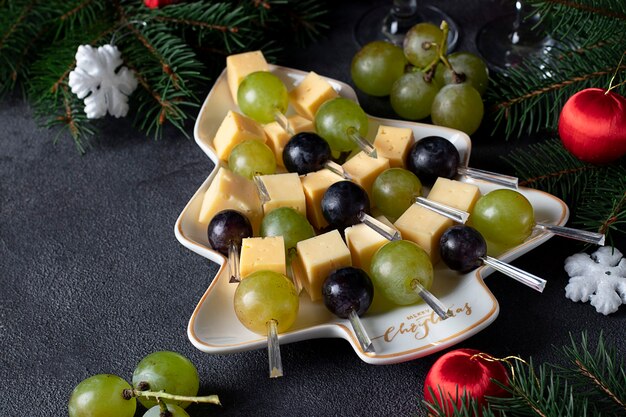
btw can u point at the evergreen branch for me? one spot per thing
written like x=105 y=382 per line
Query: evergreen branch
x=597 y=10
x=529 y=98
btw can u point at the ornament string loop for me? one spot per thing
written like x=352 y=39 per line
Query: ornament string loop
x=619 y=64
x=487 y=357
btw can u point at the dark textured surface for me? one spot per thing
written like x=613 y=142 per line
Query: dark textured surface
x=92 y=277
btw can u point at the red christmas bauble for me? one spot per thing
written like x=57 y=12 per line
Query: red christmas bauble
x=592 y=125
x=463 y=371
x=157 y=4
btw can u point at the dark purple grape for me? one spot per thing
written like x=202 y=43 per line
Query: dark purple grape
x=342 y=202
x=462 y=248
x=228 y=226
x=348 y=289
x=305 y=152
x=433 y=157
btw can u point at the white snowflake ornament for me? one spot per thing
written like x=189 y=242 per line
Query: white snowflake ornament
x=96 y=80
x=600 y=278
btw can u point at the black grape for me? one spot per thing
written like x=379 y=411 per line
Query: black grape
x=462 y=248
x=348 y=289
x=342 y=203
x=228 y=226
x=433 y=157
x=306 y=152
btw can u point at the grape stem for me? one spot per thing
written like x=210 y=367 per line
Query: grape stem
x=442 y=48
x=162 y=395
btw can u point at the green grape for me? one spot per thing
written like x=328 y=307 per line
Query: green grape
x=260 y=95
x=472 y=68
x=394 y=190
x=288 y=223
x=101 y=396
x=458 y=106
x=166 y=371
x=418 y=41
x=333 y=120
x=376 y=66
x=263 y=296
x=252 y=157
x=412 y=97
x=175 y=411
x=504 y=217
x=394 y=268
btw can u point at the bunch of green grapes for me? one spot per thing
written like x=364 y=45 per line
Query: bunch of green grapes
x=169 y=376
x=422 y=80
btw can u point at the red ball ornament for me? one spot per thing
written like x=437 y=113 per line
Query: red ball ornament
x=592 y=125
x=463 y=371
x=157 y=4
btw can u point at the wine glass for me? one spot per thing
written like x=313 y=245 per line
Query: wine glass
x=505 y=42
x=391 y=23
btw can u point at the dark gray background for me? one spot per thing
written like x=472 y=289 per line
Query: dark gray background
x=92 y=277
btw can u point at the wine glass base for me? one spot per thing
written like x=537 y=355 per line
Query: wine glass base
x=374 y=25
x=504 y=47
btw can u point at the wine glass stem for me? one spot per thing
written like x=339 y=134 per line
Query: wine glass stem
x=403 y=9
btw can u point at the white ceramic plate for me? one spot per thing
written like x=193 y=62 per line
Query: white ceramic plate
x=398 y=333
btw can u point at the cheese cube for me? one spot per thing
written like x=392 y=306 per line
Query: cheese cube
x=234 y=129
x=363 y=242
x=262 y=253
x=457 y=194
x=364 y=169
x=277 y=138
x=315 y=185
x=231 y=191
x=393 y=143
x=240 y=65
x=310 y=94
x=285 y=190
x=423 y=227
x=317 y=257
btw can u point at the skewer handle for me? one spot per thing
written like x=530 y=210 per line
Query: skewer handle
x=456 y=215
x=361 y=334
x=520 y=275
x=361 y=142
x=430 y=299
x=273 y=350
x=576 y=234
x=493 y=177
x=233 y=262
x=379 y=227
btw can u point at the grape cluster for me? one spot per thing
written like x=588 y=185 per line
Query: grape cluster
x=168 y=376
x=422 y=80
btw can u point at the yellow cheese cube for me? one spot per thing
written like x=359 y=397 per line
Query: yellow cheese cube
x=277 y=138
x=457 y=194
x=231 y=191
x=363 y=242
x=315 y=185
x=285 y=190
x=423 y=227
x=317 y=257
x=310 y=94
x=364 y=169
x=393 y=143
x=234 y=129
x=261 y=254
x=240 y=65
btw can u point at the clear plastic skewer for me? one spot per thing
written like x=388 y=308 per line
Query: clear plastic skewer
x=273 y=350
x=452 y=213
x=283 y=122
x=438 y=307
x=393 y=234
x=493 y=177
x=233 y=262
x=361 y=142
x=520 y=275
x=361 y=334
x=576 y=234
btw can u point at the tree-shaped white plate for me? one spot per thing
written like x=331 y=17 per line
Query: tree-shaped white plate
x=398 y=333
